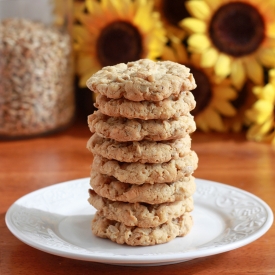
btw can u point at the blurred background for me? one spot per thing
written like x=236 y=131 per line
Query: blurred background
x=49 y=48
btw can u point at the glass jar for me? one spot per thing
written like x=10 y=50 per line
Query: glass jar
x=36 y=68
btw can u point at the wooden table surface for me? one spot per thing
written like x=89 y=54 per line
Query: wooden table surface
x=27 y=165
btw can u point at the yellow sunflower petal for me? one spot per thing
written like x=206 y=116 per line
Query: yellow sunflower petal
x=268 y=93
x=209 y=58
x=260 y=132
x=225 y=92
x=169 y=54
x=201 y=123
x=84 y=64
x=92 y=6
x=271 y=76
x=125 y=9
x=198 y=9
x=222 y=66
x=267 y=126
x=269 y=43
x=198 y=42
x=258 y=90
x=261 y=110
x=263 y=106
x=110 y=8
x=266 y=8
x=254 y=133
x=254 y=71
x=251 y=115
x=270 y=30
x=213 y=4
x=224 y=107
x=193 y=25
x=155 y=47
x=267 y=57
x=78 y=8
x=181 y=52
x=213 y=120
x=143 y=16
x=92 y=25
x=79 y=32
x=238 y=74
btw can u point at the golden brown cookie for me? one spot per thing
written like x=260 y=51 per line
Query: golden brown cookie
x=136 y=236
x=172 y=107
x=112 y=189
x=140 y=214
x=139 y=173
x=142 y=80
x=123 y=129
x=139 y=151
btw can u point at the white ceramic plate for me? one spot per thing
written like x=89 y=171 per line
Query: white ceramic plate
x=56 y=219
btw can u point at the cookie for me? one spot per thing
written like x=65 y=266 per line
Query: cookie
x=140 y=214
x=136 y=236
x=112 y=189
x=123 y=129
x=139 y=173
x=139 y=151
x=142 y=80
x=172 y=107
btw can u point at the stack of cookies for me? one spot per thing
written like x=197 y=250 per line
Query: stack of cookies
x=141 y=176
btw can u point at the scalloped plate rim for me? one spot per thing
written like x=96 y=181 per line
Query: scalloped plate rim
x=142 y=260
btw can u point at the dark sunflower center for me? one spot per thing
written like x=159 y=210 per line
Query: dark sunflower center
x=203 y=92
x=119 y=42
x=174 y=11
x=237 y=29
x=244 y=95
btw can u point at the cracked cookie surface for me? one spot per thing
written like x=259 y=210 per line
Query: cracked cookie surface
x=112 y=189
x=139 y=151
x=142 y=80
x=140 y=214
x=136 y=236
x=123 y=129
x=139 y=173
x=172 y=107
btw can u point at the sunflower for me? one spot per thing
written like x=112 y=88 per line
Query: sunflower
x=261 y=115
x=237 y=37
x=245 y=99
x=78 y=8
x=212 y=98
x=116 y=31
x=172 y=12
